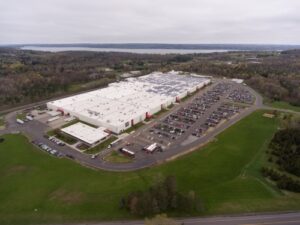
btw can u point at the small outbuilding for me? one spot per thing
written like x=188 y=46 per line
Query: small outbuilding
x=85 y=133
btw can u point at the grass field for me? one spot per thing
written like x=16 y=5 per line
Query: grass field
x=37 y=188
x=117 y=158
x=284 y=105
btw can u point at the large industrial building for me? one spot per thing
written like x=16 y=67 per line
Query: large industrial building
x=123 y=104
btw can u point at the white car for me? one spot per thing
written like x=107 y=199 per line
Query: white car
x=53 y=152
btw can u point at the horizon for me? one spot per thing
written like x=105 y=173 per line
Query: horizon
x=147 y=43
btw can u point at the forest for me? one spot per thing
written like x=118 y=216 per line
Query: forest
x=28 y=76
x=286 y=147
x=284 y=156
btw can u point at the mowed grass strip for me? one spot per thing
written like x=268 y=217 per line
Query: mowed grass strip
x=284 y=105
x=38 y=188
x=2 y=123
x=116 y=157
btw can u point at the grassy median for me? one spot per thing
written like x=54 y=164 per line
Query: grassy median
x=37 y=188
x=116 y=157
x=2 y=123
x=103 y=145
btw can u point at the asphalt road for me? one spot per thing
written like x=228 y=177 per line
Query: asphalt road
x=259 y=219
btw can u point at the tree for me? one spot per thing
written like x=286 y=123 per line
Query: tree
x=133 y=203
x=162 y=197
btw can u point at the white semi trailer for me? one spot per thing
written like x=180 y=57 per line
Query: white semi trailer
x=19 y=121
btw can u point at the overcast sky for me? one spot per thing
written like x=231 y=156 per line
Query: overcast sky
x=151 y=21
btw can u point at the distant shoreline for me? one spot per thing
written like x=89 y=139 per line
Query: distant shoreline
x=125 y=50
x=147 y=48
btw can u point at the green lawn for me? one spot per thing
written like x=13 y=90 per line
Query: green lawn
x=101 y=146
x=21 y=116
x=62 y=136
x=51 y=132
x=65 y=138
x=134 y=127
x=117 y=158
x=225 y=174
x=284 y=105
x=2 y=123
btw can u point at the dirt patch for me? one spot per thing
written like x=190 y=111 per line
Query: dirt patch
x=16 y=169
x=67 y=197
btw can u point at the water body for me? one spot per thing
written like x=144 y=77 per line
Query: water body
x=128 y=50
x=147 y=48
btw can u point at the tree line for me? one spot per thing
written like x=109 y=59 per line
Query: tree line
x=285 y=148
x=284 y=154
x=28 y=76
x=282 y=180
x=274 y=75
x=161 y=197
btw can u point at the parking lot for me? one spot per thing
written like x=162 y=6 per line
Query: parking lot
x=48 y=149
x=190 y=120
x=241 y=95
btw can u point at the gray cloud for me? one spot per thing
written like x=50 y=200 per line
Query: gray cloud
x=154 y=21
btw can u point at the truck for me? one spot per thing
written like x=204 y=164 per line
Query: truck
x=53 y=119
x=29 y=118
x=127 y=152
x=19 y=121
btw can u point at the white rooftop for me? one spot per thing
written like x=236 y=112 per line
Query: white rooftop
x=239 y=81
x=121 y=102
x=85 y=132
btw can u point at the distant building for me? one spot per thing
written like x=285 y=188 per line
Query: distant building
x=239 y=81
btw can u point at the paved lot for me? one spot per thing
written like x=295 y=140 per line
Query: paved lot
x=146 y=136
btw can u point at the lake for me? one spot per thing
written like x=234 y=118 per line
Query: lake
x=129 y=50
